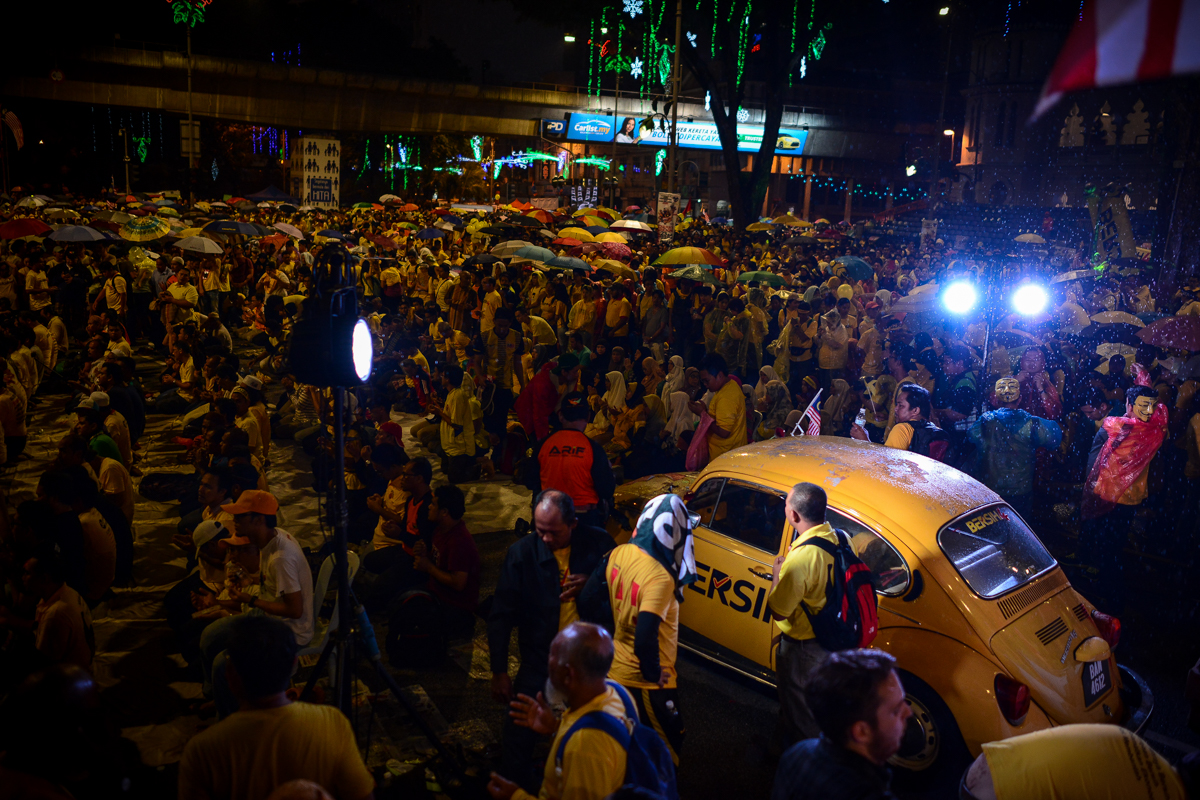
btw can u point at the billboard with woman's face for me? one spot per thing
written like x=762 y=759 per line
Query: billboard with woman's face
x=695 y=135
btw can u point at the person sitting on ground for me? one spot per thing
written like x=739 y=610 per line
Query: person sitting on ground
x=270 y=740
x=451 y=561
x=62 y=623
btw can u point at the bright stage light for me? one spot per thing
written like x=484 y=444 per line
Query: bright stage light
x=959 y=297
x=362 y=350
x=1030 y=299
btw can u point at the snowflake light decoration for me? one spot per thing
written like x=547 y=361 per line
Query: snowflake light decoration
x=214 y=169
x=803 y=66
x=743 y=115
x=635 y=68
x=708 y=101
x=633 y=7
x=692 y=38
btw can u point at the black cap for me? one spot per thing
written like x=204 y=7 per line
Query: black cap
x=574 y=407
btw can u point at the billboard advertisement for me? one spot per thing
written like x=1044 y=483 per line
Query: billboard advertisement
x=668 y=210
x=554 y=128
x=696 y=135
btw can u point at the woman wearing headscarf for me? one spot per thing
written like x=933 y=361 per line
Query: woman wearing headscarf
x=765 y=376
x=833 y=410
x=674 y=380
x=681 y=419
x=607 y=406
x=627 y=423
x=692 y=385
x=775 y=405
x=652 y=376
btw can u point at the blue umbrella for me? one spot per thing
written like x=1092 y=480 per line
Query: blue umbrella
x=535 y=253
x=856 y=268
x=566 y=262
x=595 y=229
x=231 y=226
x=430 y=233
x=453 y=220
x=77 y=233
x=329 y=233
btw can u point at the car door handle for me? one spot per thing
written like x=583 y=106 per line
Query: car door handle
x=765 y=575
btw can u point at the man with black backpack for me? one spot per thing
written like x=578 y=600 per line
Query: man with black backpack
x=599 y=744
x=823 y=599
x=913 y=431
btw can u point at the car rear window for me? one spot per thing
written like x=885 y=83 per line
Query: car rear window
x=994 y=551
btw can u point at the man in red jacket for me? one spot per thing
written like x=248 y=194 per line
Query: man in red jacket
x=573 y=464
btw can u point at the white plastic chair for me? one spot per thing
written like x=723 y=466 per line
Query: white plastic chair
x=323 y=629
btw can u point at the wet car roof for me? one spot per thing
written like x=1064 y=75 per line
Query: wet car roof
x=915 y=493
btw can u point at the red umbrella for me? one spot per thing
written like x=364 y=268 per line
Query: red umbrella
x=567 y=242
x=408 y=207
x=1175 y=333
x=382 y=241
x=25 y=226
x=620 y=252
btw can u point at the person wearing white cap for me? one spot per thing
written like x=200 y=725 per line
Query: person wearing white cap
x=115 y=425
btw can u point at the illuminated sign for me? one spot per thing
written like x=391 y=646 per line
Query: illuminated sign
x=554 y=128
x=695 y=135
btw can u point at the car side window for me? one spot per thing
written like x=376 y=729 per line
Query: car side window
x=751 y=515
x=886 y=564
x=703 y=501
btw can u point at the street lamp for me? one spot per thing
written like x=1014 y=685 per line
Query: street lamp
x=950 y=132
x=935 y=193
x=1030 y=300
x=568 y=38
x=943 y=11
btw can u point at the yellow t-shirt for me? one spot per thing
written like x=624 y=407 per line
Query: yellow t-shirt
x=802 y=580
x=900 y=437
x=394 y=500
x=248 y=754
x=593 y=764
x=617 y=309
x=637 y=583
x=487 y=314
x=462 y=442
x=567 y=612
x=728 y=408
x=1105 y=762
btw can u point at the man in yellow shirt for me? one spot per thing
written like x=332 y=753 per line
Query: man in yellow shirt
x=645 y=585
x=727 y=406
x=270 y=740
x=617 y=314
x=488 y=305
x=797 y=591
x=593 y=763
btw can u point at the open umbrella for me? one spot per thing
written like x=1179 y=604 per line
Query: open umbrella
x=145 y=229
x=541 y=215
x=31 y=202
x=576 y=233
x=535 y=253
x=408 y=207
x=791 y=221
x=620 y=252
x=590 y=221
x=389 y=198
x=1073 y=275
x=756 y=227
x=63 y=213
x=509 y=249
x=77 y=233
x=231 y=226
x=528 y=221
x=615 y=267
x=329 y=233
x=566 y=241
x=482 y=260
x=694 y=272
x=611 y=236
x=1176 y=333
x=1029 y=238
x=689 y=255
x=567 y=262
x=119 y=217
x=856 y=268
x=200 y=244
x=430 y=233
x=26 y=226
x=381 y=241
x=1118 y=318
x=919 y=302
x=290 y=230
x=630 y=225
x=762 y=276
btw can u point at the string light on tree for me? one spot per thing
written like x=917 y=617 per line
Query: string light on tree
x=188 y=12
x=477 y=147
x=659 y=158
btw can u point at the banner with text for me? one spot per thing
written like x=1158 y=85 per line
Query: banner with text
x=668 y=210
x=696 y=135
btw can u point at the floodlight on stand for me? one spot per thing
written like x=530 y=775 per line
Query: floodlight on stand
x=1030 y=299
x=959 y=297
x=330 y=346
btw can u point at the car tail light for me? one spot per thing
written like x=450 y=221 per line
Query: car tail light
x=1013 y=698
x=1109 y=627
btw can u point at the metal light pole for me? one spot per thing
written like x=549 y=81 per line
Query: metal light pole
x=935 y=193
x=125 y=142
x=675 y=98
x=192 y=138
x=612 y=189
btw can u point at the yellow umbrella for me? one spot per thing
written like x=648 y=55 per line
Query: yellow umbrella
x=611 y=212
x=190 y=232
x=578 y=234
x=615 y=267
x=760 y=226
x=583 y=211
x=611 y=236
x=788 y=219
x=589 y=221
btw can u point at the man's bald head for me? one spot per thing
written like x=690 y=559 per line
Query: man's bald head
x=554 y=518
x=587 y=649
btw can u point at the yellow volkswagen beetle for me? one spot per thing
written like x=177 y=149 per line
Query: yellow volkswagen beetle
x=992 y=639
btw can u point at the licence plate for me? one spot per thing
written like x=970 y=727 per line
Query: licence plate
x=1096 y=681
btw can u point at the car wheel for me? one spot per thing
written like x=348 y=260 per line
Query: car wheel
x=932 y=752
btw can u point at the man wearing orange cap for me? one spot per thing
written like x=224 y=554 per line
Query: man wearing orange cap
x=287 y=589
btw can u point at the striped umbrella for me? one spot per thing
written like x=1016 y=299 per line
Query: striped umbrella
x=145 y=229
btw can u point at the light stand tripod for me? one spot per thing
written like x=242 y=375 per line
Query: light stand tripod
x=331 y=347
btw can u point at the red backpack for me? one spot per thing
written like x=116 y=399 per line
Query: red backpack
x=850 y=617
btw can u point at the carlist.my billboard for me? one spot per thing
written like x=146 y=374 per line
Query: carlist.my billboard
x=697 y=135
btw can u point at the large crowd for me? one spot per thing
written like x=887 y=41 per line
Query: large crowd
x=566 y=358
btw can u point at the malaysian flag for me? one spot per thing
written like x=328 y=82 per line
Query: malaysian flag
x=810 y=422
x=1126 y=41
x=14 y=124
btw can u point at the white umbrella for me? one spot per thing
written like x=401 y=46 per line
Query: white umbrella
x=631 y=224
x=290 y=230
x=508 y=249
x=31 y=202
x=200 y=244
x=1030 y=238
x=77 y=233
x=1118 y=318
x=264 y=204
x=1073 y=275
x=1110 y=349
x=386 y=197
